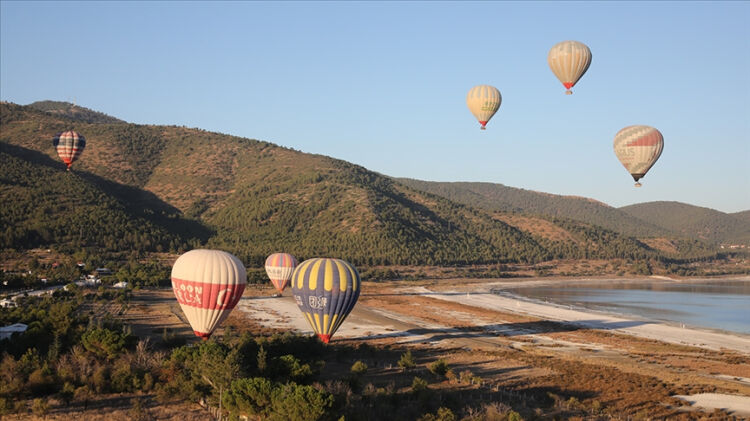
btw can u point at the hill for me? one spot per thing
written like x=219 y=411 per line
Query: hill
x=694 y=221
x=44 y=206
x=742 y=216
x=497 y=197
x=253 y=198
x=73 y=112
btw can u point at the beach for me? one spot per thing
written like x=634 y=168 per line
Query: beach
x=472 y=316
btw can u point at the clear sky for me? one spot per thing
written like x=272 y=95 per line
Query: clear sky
x=383 y=84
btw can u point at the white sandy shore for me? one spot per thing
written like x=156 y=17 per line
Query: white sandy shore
x=483 y=298
x=735 y=405
x=368 y=322
x=282 y=312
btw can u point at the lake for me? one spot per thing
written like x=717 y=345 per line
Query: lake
x=714 y=304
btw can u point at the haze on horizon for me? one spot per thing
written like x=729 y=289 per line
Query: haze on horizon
x=383 y=85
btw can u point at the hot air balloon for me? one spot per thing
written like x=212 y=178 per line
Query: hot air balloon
x=279 y=267
x=638 y=148
x=569 y=60
x=483 y=101
x=326 y=291
x=69 y=146
x=208 y=285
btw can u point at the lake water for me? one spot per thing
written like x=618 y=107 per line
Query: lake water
x=714 y=304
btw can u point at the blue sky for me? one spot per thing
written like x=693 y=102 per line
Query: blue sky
x=383 y=84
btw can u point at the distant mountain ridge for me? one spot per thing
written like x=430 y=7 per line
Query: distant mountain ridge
x=695 y=221
x=498 y=197
x=253 y=198
x=74 y=112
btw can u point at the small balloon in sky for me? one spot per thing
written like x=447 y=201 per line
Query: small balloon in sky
x=569 y=60
x=483 y=101
x=638 y=148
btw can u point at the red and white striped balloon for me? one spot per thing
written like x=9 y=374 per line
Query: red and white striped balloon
x=69 y=146
x=208 y=284
x=638 y=148
x=279 y=267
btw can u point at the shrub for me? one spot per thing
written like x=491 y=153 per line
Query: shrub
x=514 y=416
x=67 y=393
x=418 y=385
x=358 y=368
x=290 y=366
x=442 y=414
x=249 y=396
x=104 y=343
x=293 y=402
x=40 y=407
x=407 y=361
x=6 y=406
x=596 y=407
x=439 y=368
x=139 y=412
x=573 y=403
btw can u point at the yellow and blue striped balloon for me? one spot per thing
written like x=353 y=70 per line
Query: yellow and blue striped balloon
x=325 y=290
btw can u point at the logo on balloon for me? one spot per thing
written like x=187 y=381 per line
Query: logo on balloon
x=317 y=302
x=199 y=295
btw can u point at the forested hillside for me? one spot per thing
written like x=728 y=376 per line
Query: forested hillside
x=44 y=206
x=497 y=197
x=165 y=187
x=742 y=216
x=694 y=221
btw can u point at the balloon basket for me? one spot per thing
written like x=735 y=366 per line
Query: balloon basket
x=638 y=184
x=568 y=92
x=482 y=128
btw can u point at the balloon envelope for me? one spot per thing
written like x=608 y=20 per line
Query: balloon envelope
x=69 y=146
x=483 y=101
x=208 y=284
x=279 y=267
x=326 y=291
x=569 y=60
x=638 y=148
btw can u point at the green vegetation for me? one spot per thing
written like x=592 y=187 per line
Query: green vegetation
x=144 y=189
x=694 y=221
x=44 y=207
x=75 y=351
x=497 y=197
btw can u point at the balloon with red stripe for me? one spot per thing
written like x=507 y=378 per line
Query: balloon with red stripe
x=69 y=146
x=279 y=267
x=483 y=101
x=569 y=60
x=638 y=148
x=208 y=284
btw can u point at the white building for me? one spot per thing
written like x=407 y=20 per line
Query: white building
x=7 y=303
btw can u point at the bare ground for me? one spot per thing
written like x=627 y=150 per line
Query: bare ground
x=517 y=359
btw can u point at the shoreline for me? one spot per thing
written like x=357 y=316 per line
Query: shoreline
x=484 y=297
x=504 y=289
x=454 y=315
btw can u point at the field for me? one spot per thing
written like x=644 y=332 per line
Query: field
x=548 y=367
